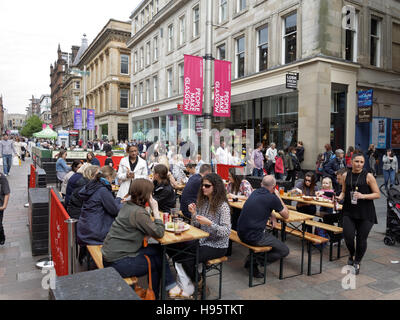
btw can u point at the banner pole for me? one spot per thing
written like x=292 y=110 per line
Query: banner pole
x=71 y=245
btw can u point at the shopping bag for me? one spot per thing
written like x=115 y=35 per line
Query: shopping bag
x=15 y=161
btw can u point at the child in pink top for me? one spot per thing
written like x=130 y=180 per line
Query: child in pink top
x=279 y=167
x=326 y=192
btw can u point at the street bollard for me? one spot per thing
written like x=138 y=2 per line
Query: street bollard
x=71 y=245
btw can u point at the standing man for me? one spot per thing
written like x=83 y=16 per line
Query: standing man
x=222 y=154
x=270 y=156
x=7 y=150
x=258 y=161
x=4 y=197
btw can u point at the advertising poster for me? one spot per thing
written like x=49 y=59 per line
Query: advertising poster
x=396 y=133
x=77 y=119
x=378 y=132
x=193 y=85
x=222 y=88
x=365 y=102
x=90 y=119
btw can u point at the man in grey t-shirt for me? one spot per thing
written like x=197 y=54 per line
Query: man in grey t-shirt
x=6 y=151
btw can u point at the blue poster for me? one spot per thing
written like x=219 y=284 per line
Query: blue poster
x=77 y=119
x=90 y=119
x=365 y=98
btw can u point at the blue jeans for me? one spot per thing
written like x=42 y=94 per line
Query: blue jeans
x=389 y=174
x=7 y=162
x=137 y=267
x=258 y=172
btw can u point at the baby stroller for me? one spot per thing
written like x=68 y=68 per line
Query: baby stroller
x=393 y=215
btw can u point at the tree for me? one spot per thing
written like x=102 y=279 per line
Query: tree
x=33 y=125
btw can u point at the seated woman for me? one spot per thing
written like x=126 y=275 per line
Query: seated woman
x=61 y=165
x=163 y=193
x=238 y=187
x=307 y=187
x=84 y=174
x=109 y=161
x=75 y=166
x=123 y=247
x=91 y=159
x=212 y=214
x=71 y=185
x=99 y=208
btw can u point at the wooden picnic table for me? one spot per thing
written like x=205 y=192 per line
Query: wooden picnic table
x=327 y=204
x=180 y=186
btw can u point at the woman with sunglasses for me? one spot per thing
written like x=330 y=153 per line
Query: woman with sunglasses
x=211 y=214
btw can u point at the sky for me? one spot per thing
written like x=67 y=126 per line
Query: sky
x=30 y=32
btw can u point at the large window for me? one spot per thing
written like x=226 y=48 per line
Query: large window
x=155 y=88
x=351 y=42
x=147 y=91
x=375 y=52
x=141 y=94
x=262 y=49
x=196 y=21
x=135 y=93
x=76 y=100
x=182 y=30
x=155 y=48
x=396 y=47
x=124 y=98
x=141 y=58
x=221 y=52
x=240 y=54
x=181 y=78
x=223 y=10
x=169 y=83
x=124 y=64
x=148 y=53
x=240 y=5
x=289 y=38
x=136 y=61
x=170 y=38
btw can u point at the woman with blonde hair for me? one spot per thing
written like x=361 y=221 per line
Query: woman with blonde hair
x=99 y=208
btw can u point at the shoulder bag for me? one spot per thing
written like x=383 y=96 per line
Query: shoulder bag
x=146 y=294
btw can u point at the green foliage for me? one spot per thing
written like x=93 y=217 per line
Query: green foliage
x=33 y=125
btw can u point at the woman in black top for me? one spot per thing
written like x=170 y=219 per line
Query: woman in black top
x=163 y=193
x=359 y=190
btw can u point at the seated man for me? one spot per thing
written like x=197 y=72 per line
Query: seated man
x=191 y=190
x=253 y=219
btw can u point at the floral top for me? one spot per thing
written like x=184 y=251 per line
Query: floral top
x=178 y=172
x=245 y=188
x=221 y=226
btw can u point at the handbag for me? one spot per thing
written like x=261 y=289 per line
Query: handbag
x=146 y=294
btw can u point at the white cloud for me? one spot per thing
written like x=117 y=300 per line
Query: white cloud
x=30 y=32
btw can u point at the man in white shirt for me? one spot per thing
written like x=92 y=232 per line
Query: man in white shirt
x=222 y=154
x=270 y=155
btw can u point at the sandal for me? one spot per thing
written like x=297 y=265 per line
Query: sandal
x=180 y=295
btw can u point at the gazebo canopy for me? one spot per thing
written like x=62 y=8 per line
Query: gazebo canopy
x=46 y=133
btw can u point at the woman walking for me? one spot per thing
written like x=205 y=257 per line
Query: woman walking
x=372 y=158
x=390 y=167
x=359 y=189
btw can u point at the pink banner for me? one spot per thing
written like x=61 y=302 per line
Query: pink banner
x=193 y=93
x=222 y=88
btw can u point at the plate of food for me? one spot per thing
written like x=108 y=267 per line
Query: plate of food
x=307 y=198
x=169 y=226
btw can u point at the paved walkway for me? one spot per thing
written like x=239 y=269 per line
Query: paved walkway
x=379 y=278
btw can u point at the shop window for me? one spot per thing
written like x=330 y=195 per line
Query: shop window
x=289 y=38
x=375 y=45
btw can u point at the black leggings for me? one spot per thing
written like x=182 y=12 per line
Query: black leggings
x=358 y=229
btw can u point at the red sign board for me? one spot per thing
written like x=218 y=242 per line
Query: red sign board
x=180 y=107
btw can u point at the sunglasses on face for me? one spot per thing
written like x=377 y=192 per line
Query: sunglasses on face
x=207 y=186
x=307 y=180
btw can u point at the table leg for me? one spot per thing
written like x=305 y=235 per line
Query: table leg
x=283 y=237
x=163 y=273
x=196 y=277
x=302 y=246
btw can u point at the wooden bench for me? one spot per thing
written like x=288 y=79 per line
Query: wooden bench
x=312 y=240
x=95 y=252
x=331 y=228
x=252 y=249
x=212 y=265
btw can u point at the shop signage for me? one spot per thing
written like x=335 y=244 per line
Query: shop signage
x=291 y=80
x=179 y=107
x=396 y=133
x=90 y=119
x=193 y=85
x=365 y=102
x=378 y=132
x=77 y=119
x=222 y=88
x=199 y=124
x=155 y=110
x=74 y=132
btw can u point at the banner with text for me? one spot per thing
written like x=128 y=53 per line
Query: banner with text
x=77 y=119
x=222 y=88
x=193 y=82
x=90 y=119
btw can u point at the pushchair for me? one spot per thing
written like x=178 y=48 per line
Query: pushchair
x=393 y=215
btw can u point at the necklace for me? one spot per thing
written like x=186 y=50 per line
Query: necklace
x=351 y=181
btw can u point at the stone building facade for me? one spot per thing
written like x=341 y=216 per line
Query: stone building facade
x=265 y=40
x=108 y=83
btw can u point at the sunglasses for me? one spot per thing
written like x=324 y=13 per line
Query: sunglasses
x=307 y=180
x=207 y=186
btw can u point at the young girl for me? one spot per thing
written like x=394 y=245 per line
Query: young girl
x=326 y=192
